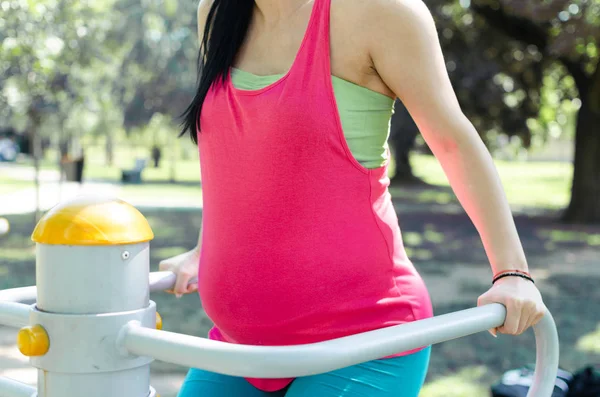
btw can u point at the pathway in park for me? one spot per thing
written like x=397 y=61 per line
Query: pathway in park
x=52 y=191
x=23 y=201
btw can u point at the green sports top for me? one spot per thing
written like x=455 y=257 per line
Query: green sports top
x=365 y=115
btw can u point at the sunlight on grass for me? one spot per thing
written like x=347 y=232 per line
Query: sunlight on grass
x=432 y=196
x=17 y=254
x=185 y=170
x=96 y=167
x=536 y=184
x=432 y=236
x=163 y=191
x=167 y=252
x=163 y=230
x=466 y=383
x=9 y=185
x=569 y=236
x=412 y=238
x=590 y=343
x=419 y=253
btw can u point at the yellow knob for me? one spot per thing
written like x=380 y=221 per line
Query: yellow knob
x=33 y=341
x=158 y=321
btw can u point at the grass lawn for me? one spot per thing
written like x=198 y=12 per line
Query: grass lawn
x=443 y=244
x=10 y=185
x=156 y=192
x=447 y=252
x=184 y=171
x=544 y=185
x=96 y=168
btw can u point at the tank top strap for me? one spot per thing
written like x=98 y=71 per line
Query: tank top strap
x=314 y=56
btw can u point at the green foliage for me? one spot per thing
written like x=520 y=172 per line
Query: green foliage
x=513 y=63
x=89 y=68
x=55 y=65
x=102 y=69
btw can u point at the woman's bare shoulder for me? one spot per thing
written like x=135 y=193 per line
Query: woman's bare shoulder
x=364 y=14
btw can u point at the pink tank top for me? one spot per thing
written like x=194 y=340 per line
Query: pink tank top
x=301 y=243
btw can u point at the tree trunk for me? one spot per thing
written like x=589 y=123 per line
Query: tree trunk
x=37 y=149
x=109 y=148
x=403 y=133
x=585 y=191
x=401 y=152
x=173 y=152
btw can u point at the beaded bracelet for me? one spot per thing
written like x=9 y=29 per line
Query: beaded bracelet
x=521 y=274
x=512 y=271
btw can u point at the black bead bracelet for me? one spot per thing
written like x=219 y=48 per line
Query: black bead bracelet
x=526 y=277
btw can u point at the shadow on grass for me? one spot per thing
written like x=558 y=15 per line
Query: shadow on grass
x=452 y=238
x=467 y=382
x=439 y=242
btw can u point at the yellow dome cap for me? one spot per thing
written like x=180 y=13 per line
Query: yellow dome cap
x=92 y=221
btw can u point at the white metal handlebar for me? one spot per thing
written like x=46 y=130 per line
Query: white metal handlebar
x=12 y=388
x=302 y=360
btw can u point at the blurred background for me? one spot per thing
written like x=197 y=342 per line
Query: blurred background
x=91 y=91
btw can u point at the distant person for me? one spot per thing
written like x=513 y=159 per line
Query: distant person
x=300 y=241
x=156 y=155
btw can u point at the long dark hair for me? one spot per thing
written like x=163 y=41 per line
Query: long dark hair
x=224 y=33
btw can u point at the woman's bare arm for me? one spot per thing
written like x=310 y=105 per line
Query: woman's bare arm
x=406 y=52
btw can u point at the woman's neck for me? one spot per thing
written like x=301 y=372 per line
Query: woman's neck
x=274 y=11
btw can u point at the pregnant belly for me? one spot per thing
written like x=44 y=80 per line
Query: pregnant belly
x=277 y=308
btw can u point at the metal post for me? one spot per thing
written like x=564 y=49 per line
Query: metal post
x=92 y=266
x=23 y=294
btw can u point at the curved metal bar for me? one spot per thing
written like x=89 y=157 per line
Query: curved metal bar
x=14 y=315
x=12 y=388
x=160 y=281
x=23 y=294
x=547 y=357
x=305 y=360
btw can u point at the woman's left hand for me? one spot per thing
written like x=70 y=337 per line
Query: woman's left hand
x=523 y=302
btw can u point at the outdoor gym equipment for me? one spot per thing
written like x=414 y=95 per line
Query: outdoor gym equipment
x=93 y=330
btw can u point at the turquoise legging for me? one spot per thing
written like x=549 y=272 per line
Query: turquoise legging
x=397 y=377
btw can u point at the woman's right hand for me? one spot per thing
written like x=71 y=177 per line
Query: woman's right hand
x=185 y=267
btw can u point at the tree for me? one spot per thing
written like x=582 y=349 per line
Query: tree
x=162 y=44
x=403 y=134
x=567 y=33
x=497 y=81
x=520 y=67
x=48 y=52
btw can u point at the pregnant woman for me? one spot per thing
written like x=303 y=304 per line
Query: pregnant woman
x=299 y=241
